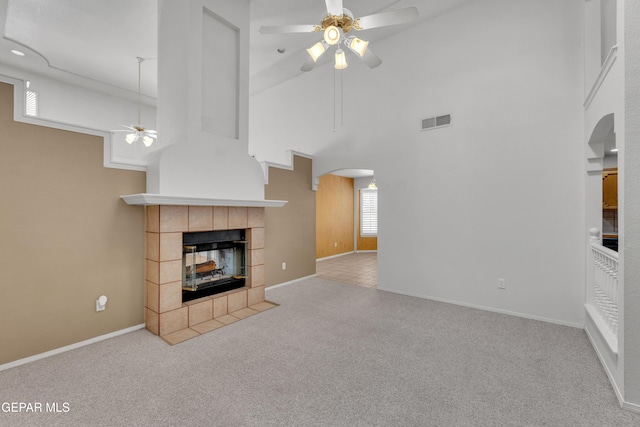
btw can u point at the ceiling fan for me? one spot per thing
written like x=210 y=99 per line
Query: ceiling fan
x=138 y=131
x=336 y=25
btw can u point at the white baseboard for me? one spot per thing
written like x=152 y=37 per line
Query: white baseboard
x=290 y=282
x=335 y=256
x=490 y=309
x=612 y=378
x=69 y=347
x=631 y=407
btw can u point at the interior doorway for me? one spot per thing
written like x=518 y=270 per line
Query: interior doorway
x=347 y=227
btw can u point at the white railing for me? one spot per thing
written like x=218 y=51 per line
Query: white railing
x=602 y=295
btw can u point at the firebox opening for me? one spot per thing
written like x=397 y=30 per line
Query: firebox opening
x=213 y=262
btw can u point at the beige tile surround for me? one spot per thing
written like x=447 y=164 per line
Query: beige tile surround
x=165 y=313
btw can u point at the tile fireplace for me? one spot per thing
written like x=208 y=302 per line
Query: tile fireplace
x=176 y=319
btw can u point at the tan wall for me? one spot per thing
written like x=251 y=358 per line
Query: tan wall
x=334 y=216
x=66 y=237
x=290 y=231
x=364 y=243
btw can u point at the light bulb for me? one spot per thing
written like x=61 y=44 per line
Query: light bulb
x=358 y=46
x=131 y=137
x=341 y=61
x=147 y=140
x=317 y=50
x=332 y=35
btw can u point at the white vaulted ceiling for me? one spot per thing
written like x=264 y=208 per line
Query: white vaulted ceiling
x=85 y=42
x=94 y=43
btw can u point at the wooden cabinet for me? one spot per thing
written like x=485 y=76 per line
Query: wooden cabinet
x=610 y=188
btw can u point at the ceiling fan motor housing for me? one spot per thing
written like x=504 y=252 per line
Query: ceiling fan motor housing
x=346 y=21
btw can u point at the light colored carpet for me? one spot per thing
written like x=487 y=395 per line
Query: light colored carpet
x=330 y=355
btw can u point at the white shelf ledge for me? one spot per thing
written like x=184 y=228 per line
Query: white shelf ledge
x=146 y=199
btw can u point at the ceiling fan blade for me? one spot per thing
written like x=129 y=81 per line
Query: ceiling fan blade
x=399 y=16
x=127 y=129
x=334 y=7
x=371 y=59
x=308 y=65
x=281 y=29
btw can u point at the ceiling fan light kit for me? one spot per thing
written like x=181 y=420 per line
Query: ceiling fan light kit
x=138 y=131
x=317 y=50
x=331 y=35
x=339 y=21
x=341 y=60
x=356 y=45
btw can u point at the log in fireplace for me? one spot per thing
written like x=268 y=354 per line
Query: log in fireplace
x=213 y=262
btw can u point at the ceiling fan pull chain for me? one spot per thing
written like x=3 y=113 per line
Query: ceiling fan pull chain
x=334 y=100
x=341 y=99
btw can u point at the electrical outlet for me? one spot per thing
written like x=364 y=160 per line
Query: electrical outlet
x=284 y=265
x=335 y=244
x=101 y=303
x=502 y=284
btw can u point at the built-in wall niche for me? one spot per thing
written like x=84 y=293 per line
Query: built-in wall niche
x=610 y=208
x=220 y=58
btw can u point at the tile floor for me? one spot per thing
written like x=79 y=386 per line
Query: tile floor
x=359 y=269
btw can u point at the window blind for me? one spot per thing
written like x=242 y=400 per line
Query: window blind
x=31 y=103
x=368 y=212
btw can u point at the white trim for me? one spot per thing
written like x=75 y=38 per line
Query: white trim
x=490 y=309
x=69 y=347
x=366 y=251
x=610 y=339
x=286 y=166
x=144 y=199
x=612 y=381
x=291 y=282
x=335 y=256
x=604 y=71
x=630 y=406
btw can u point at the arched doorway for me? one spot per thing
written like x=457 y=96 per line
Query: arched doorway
x=601 y=185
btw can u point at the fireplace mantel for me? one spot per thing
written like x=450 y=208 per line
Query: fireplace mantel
x=147 y=199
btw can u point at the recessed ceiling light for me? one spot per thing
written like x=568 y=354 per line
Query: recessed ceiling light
x=17 y=52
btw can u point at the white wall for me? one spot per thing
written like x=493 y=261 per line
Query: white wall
x=499 y=194
x=630 y=214
x=201 y=156
x=604 y=107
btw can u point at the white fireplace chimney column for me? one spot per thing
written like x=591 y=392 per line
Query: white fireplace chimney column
x=203 y=97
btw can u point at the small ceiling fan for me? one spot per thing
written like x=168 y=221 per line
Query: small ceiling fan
x=138 y=131
x=336 y=25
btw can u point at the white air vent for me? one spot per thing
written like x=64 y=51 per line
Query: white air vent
x=436 y=122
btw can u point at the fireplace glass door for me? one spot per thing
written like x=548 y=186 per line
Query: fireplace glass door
x=212 y=267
